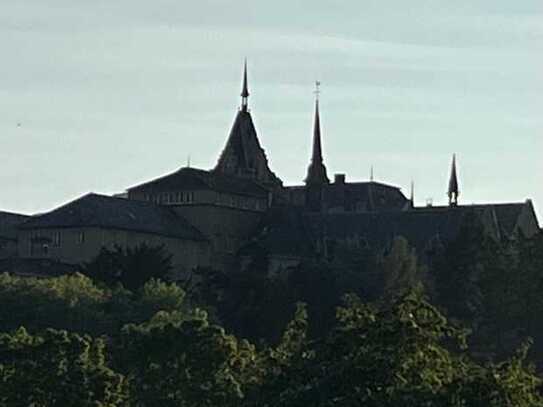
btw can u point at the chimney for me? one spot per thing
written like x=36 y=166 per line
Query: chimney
x=339 y=179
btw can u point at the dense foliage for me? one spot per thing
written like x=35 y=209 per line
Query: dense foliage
x=451 y=334
x=132 y=267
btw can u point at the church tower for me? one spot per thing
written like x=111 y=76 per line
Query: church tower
x=317 y=177
x=243 y=155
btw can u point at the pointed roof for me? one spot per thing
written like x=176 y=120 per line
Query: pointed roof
x=243 y=155
x=316 y=172
x=454 y=191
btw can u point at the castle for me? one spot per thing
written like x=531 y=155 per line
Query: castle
x=218 y=217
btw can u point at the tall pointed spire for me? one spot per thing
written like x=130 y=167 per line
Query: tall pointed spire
x=454 y=191
x=243 y=155
x=245 y=89
x=412 y=197
x=316 y=173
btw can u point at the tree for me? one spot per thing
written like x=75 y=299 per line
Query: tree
x=179 y=359
x=69 y=302
x=458 y=271
x=132 y=267
x=403 y=354
x=75 y=303
x=57 y=369
x=400 y=269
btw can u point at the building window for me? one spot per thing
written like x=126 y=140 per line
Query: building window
x=81 y=237
x=56 y=239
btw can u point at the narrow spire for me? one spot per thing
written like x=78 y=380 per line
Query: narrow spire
x=317 y=146
x=372 y=178
x=412 y=197
x=245 y=89
x=454 y=191
x=316 y=173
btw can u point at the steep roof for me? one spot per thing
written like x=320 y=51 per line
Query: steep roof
x=102 y=211
x=196 y=179
x=316 y=172
x=243 y=155
x=8 y=224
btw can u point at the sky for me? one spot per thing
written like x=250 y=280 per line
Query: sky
x=100 y=96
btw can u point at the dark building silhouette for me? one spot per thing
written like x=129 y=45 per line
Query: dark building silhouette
x=219 y=217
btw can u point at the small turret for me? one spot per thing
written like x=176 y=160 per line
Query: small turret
x=454 y=191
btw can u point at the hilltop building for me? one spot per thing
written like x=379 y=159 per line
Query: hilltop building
x=218 y=217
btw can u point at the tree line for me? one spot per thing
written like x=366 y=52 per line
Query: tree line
x=461 y=329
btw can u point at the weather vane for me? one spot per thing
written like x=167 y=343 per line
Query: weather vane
x=317 y=89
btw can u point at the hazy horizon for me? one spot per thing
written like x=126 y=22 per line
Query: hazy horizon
x=102 y=96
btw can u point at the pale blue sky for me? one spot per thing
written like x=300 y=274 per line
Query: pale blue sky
x=111 y=93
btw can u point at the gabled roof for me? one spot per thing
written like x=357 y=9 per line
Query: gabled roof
x=102 y=211
x=359 y=196
x=196 y=179
x=8 y=224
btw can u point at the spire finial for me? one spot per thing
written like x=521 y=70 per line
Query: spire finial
x=372 y=178
x=454 y=191
x=245 y=89
x=317 y=90
x=412 y=197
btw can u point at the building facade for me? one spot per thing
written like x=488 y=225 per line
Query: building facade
x=216 y=217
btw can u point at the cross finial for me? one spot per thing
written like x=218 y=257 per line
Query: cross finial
x=317 y=90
